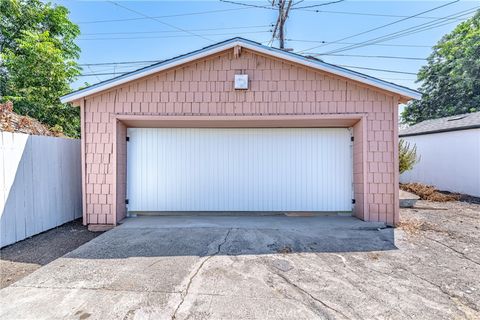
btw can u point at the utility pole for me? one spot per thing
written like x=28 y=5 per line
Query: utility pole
x=283 y=7
x=279 y=30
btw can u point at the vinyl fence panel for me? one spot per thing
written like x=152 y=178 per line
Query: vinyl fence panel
x=40 y=184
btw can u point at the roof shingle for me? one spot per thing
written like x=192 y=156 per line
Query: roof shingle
x=453 y=123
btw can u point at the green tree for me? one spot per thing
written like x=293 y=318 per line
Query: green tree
x=451 y=78
x=38 y=61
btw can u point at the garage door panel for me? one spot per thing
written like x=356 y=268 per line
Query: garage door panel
x=199 y=169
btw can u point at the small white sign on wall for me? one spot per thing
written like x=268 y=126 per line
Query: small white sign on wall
x=241 y=81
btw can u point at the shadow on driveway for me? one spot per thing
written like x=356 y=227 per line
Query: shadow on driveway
x=162 y=267
x=199 y=236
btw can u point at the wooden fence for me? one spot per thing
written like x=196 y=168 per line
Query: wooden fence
x=40 y=184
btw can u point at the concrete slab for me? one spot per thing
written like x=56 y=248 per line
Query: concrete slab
x=236 y=268
x=407 y=199
x=252 y=222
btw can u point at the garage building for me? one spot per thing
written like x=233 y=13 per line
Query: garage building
x=235 y=127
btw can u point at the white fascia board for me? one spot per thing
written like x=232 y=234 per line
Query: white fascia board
x=142 y=73
x=329 y=68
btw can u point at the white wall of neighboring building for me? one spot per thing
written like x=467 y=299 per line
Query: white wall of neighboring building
x=449 y=161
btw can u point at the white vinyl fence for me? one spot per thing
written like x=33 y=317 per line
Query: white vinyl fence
x=40 y=184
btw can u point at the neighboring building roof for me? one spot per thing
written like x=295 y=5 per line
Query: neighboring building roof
x=454 y=123
x=248 y=44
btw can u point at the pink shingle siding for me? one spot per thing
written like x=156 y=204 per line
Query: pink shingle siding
x=205 y=87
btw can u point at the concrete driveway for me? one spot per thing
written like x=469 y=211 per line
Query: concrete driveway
x=235 y=268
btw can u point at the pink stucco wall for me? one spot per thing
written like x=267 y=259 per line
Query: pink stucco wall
x=205 y=87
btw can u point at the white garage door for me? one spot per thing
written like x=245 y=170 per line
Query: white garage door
x=251 y=169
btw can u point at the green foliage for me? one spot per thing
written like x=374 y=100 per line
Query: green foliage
x=407 y=156
x=38 y=61
x=451 y=78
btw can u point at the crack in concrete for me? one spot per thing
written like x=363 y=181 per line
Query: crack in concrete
x=455 y=298
x=451 y=296
x=285 y=293
x=354 y=284
x=453 y=249
x=356 y=262
x=311 y=296
x=185 y=293
x=96 y=289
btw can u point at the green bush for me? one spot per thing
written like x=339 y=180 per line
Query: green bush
x=407 y=156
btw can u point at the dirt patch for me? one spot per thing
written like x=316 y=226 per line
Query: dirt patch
x=464 y=197
x=373 y=255
x=285 y=250
x=22 y=258
x=426 y=192
x=411 y=226
x=416 y=226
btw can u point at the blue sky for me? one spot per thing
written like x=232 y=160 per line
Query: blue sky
x=183 y=26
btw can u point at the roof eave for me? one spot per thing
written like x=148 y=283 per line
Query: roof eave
x=405 y=93
x=343 y=72
x=421 y=133
x=134 y=75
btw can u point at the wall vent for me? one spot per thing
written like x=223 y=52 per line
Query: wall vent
x=241 y=81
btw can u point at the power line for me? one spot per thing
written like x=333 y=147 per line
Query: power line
x=382 y=26
x=402 y=33
x=283 y=7
x=406 y=79
x=370 y=14
x=317 y=5
x=121 y=62
x=346 y=66
x=116 y=68
x=273 y=3
x=341 y=65
x=367 y=56
x=160 y=21
x=248 y=5
x=408 y=31
x=174 y=36
x=89 y=68
x=380 y=44
x=246 y=8
x=160 y=17
x=101 y=74
x=137 y=62
x=175 y=31
x=376 y=69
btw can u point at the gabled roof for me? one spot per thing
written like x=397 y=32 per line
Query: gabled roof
x=454 y=123
x=248 y=44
